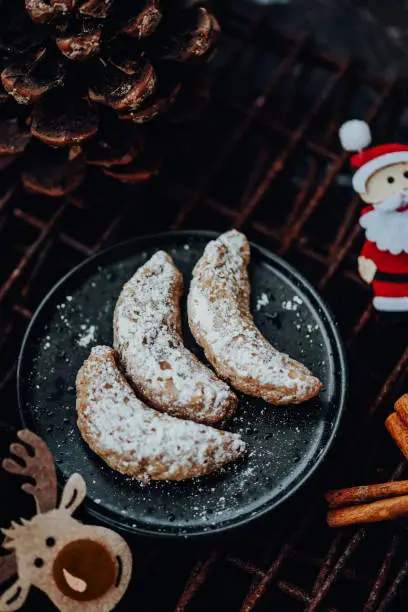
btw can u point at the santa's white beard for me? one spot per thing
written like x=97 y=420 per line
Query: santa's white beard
x=387 y=227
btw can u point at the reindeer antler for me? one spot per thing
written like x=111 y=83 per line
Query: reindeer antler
x=40 y=468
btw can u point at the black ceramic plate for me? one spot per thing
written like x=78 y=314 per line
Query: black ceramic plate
x=286 y=444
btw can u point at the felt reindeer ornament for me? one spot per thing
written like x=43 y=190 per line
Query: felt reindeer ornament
x=79 y=567
x=381 y=180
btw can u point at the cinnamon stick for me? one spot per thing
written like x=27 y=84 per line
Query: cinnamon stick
x=401 y=406
x=399 y=432
x=359 y=495
x=382 y=510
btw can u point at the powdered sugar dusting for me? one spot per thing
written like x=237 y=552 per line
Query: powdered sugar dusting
x=262 y=301
x=87 y=336
x=138 y=440
x=148 y=340
x=292 y=304
x=218 y=307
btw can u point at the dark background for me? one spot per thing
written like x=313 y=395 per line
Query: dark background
x=265 y=158
x=373 y=31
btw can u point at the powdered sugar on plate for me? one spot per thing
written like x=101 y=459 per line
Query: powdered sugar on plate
x=292 y=304
x=88 y=336
x=262 y=301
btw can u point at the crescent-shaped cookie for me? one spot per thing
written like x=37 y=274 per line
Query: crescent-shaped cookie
x=148 y=340
x=221 y=322
x=140 y=441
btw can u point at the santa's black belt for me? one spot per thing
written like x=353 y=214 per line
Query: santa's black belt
x=391 y=277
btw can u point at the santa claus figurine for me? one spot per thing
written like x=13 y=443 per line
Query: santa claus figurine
x=381 y=180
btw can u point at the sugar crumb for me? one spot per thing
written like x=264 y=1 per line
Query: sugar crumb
x=87 y=337
x=292 y=304
x=262 y=300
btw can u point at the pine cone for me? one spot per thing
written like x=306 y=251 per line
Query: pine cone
x=83 y=80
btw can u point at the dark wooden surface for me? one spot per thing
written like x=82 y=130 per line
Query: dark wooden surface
x=374 y=31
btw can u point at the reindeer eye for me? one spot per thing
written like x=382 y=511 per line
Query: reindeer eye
x=38 y=562
x=50 y=542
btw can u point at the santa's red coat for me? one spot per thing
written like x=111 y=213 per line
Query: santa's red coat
x=391 y=278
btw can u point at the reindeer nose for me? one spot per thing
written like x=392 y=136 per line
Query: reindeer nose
x=84 y=570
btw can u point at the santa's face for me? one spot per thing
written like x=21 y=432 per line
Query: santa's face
x=388 y=187
x=387 y=223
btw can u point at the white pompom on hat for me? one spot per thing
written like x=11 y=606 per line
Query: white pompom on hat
x=355 y=135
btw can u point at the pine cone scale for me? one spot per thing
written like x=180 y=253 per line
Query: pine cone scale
x=64 y=125
x=96 y=8
x=135 y=172
x=153 y=107
x=13 y=137
x=41 y=12
x=30 y=77
x=80 y=47
x=119 y=146
x=144 y=24
x=193 y=37
x=53 y=172
x=123 y=91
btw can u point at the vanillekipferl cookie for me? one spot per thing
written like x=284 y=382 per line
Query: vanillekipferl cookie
x=222 y=324
x=140 y=441
x=149 y=342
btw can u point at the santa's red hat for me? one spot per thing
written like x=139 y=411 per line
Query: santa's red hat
x=355 y=135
